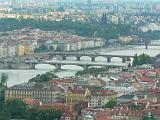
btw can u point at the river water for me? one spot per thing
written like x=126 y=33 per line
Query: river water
x=20 y=76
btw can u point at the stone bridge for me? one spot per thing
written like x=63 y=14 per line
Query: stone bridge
x=85 y=64
x=93 y=56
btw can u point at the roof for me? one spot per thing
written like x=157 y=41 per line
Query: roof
x=146 y=79
x=23 y=86
x=68 y=113
x=126 y=75
x=56 y=81
x=60 y=106
x=126 y=96
x=30 y=101
x=154 y=91
x=102 y=92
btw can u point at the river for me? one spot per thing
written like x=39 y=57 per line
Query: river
x=20 y=76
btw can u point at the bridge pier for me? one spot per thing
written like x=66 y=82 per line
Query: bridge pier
x=32 y=65
x=85 y=67
x=123 y=60
x=78 y=58
x=108 y=59
x=5 y=64
x=93 y=59
x=146 y=46
x=58 y=66
x=64 y=57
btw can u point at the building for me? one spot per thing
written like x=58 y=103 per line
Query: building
x=151 y=26
x=127 y=39
x=44 y=93
x=47 y=93
x=153 y=94
x=20 y=50
x=74 y=95
x=21 y=91
x=99 y=97
x=11 y=51
x=27 y=49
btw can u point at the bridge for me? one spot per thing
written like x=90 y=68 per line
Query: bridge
x=144 y=44
x=64 y=55
x=93 y=56
x=85 y=64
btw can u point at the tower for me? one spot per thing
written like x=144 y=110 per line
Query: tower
x=69 y=100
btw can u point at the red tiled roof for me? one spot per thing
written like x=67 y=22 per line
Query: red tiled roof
x=68 y=113
x=30 y=101
x=146 y=79
x=154 y=91
x=102 y=92
x=126 y=75
x=155 y=111
x=60 y=106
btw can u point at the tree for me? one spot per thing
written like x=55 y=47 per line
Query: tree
x=44 y=77
x=148 y=116
x=50 y=114
x=92 y=71
x=16 y=109
x=135 y=61
x=111 y=104
x=141 y=59
x=144 y=59
x=4 y=78
x=3 y=116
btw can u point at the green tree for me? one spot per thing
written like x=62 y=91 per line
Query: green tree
x=3 y=116
x=148 y=117
x=44 y=77
x=15 y=109
x=92 y=71
x=141 y=59
x=144 y=59
x=111 y=104
x=4 y=78
x=50 y=114
x=135 y=60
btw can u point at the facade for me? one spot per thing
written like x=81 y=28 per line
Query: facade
x=69 y=45
x=20 y=50
x=3 y=51
x=44 y=93
x=11 y=51
x=127 y=39
x=153 y=94
x=47 y=93
x=21 y=91
x=27 y=50
x=100 y=97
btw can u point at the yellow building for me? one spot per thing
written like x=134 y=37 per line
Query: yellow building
x=95 y=97
x=20 y=50
x=45 y=93
x=27 y=50
x=19 y=92
x=127 y=39
x=75 y=95
x=99 y=97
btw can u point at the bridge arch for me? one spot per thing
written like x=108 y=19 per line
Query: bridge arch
x=85 y=58
x=71 y=58
x=100 y=58
x=71 y=67
x=116 y=59
x=45 y=66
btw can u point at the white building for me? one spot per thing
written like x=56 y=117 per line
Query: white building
x=151 y=26
x=11 y=50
